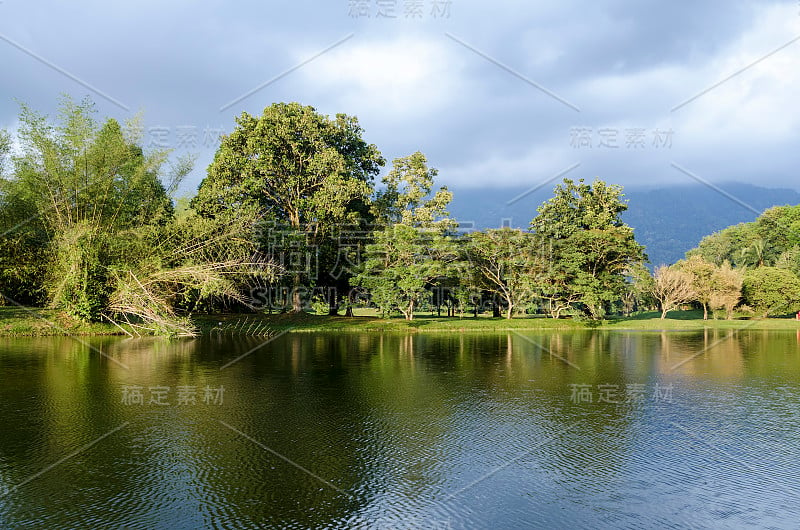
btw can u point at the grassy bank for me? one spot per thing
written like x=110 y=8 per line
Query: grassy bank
x=36 y=322
x=43 y=322
x=689 y=320
x=366 y=323
x=675 y=321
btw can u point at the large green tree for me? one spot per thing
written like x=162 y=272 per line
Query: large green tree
x=297 y=169
x=591 y=249
x=413 y=248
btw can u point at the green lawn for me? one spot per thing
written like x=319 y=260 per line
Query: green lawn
x=421 y=323
x=694 y=320
x=676 y=320
x=37 y=322
x=40 y=322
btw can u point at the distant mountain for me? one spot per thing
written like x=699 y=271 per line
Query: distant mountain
x=668 y=221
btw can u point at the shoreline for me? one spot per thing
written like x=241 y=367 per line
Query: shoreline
x=36 y=322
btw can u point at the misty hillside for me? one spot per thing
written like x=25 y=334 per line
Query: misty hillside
x=668 y=221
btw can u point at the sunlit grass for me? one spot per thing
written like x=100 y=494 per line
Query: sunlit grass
x=37 y=322
x=42 y=322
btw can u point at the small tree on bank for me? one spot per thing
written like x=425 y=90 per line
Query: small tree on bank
x=703 y=280
x=727 y=289
x=671 y=287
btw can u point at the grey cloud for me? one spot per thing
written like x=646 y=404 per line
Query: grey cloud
x=181 y=61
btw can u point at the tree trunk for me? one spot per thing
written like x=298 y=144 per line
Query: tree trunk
x=333 y=302
x=297 y=303
x=510 y=311
x=555 y=311
x=663 y=314
x=705 y=311
x=351 y=300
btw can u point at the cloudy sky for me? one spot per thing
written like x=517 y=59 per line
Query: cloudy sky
x=501 y=93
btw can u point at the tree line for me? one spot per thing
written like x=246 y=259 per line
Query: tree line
x=290 y=217
x=753 y=267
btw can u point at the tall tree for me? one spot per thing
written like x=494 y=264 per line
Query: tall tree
x=299 y=168
x=592 y=249
x=413 y=249
x=408 y=196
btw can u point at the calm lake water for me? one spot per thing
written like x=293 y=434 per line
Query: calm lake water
x=579 y=429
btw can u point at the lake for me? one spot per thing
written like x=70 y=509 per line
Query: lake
x=347 y=430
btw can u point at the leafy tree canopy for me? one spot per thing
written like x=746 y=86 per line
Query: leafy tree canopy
x=591 y=249
x=293 y=164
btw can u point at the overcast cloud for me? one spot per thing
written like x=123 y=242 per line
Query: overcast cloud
x=501 y=93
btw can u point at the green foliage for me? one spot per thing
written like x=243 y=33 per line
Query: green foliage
x=77 y=171
x=74 y=185
x=762 y=242
x=591 y=248
x=703 y=280
x=402 y=263
x=300 y=165
x=5 y=148
x=417 y=251
x=296 y=168
x=23 y=253
x=771 y=291
x=727 y=289
x=407 y=198
x=790 y=260
x=86 y=200
x=507 y=264
x=767 y=251
x=189 y=265
x=578 y=208
x=88 y=225
x=713 y=286
x=639 y=288
x=78 y=279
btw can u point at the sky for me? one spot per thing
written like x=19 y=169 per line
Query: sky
x=501 y=94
